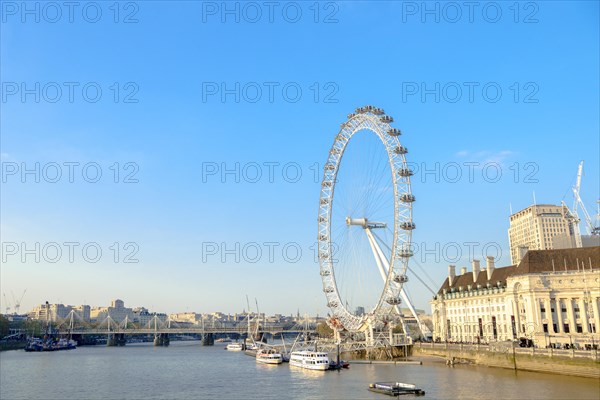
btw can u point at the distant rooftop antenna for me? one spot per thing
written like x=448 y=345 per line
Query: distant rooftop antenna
x=534 y=202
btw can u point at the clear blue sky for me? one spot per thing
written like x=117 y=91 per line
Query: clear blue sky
x=174 y=59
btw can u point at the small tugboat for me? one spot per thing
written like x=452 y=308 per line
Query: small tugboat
x=334 y=365
x=395 y=388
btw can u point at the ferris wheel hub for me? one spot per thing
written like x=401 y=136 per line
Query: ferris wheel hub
x=364 y=223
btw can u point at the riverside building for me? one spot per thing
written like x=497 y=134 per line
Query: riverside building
x=535 y=228
x=117 y=312
x=58 y=312
x=551 y=297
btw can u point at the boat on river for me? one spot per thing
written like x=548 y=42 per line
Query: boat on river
x=234 y=347
x=50 y=344
x=395 y=388
x=269 y=356
x=310 y=360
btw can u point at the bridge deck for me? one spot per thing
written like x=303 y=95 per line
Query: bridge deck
x=149 y=331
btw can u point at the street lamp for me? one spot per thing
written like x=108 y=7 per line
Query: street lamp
x=530 y=330
x=489 y=331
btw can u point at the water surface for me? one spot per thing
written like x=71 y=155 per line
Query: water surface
x=186 y=370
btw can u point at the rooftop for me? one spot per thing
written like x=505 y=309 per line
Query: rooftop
x=534 y=262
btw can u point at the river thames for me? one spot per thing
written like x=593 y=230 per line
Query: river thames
x=186 y=370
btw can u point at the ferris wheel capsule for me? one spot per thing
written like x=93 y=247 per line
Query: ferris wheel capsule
x=407 y=197
x=405 y=172
x=386 y=119
x=394 y=132
x=400 y=150
x=408 y=226
x=405 y=253
x=394 y=301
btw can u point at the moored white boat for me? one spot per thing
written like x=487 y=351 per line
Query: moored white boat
x=310 y=360
x=252 y=346
x=269 y=356
x=234 y=347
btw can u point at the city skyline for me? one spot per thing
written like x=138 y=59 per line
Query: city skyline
x=196 y=176
x=87 y=312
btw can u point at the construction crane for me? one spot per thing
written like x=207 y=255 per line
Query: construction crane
x=6 y=304
x=17 y=304
x=592 y=229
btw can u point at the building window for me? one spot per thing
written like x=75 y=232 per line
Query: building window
x=555 y=328
x=593 y=328
x=567 y=328
x=545 y=328
x=480 y=327
x=579 y=328
x=514 y=326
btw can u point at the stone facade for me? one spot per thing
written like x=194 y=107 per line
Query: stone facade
x=552 y=297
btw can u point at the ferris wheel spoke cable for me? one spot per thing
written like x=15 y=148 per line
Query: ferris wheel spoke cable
x=363 y=183
x=360 y=257
x=376 y=193
x=427 y=275
x=374 y=176
x=383 y=205
x=346 y=261
x=351 y=267
x=380 y=174
x=413 y=272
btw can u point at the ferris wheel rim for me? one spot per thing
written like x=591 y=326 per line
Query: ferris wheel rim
x=368 y=118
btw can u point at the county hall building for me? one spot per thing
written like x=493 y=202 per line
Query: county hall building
x=551 y=297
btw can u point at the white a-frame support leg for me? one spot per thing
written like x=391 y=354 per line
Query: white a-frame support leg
x=384 y=267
